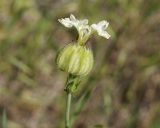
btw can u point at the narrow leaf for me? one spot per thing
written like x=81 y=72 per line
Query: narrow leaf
x=4 y=119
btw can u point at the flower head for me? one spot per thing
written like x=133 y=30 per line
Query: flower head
x=81 y=25
x=101 y=28
x=85 y=30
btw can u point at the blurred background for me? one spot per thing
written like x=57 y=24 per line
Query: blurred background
x=123 y=89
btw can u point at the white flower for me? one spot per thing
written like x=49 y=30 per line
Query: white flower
x=84 y=29
x=101 y=28
x=82 y=26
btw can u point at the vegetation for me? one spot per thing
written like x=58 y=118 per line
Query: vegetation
x=122 y=91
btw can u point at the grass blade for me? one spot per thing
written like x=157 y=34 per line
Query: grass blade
x=4 y=119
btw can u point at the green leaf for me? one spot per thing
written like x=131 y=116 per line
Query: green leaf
x=82 y=102
x=4 y=119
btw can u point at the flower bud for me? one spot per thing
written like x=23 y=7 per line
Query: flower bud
x=75 y=59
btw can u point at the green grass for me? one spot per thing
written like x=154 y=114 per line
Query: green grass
x=4 y=119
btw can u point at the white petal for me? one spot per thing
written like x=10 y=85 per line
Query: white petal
x=104 y=24
x=66 y=22
x=94 y=26
x=104 y=34
x=72 y=17
x=84 y=22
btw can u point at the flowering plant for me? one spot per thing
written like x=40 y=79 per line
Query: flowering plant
x=77 y=59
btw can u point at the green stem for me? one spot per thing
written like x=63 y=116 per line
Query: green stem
x=68 y=106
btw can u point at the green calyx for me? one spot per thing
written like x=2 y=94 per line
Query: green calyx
x=72 y=83
x=75 y=59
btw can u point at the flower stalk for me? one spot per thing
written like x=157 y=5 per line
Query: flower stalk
x=71 y=86
x=68 y=106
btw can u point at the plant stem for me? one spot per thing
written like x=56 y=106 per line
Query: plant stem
x=68 y=105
